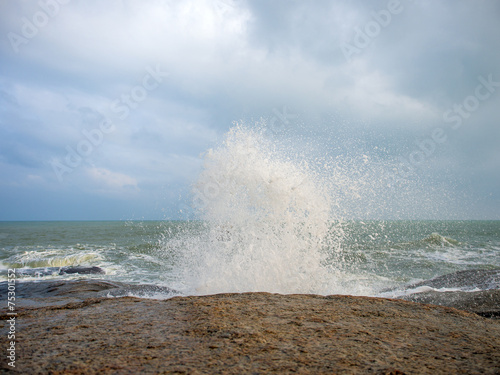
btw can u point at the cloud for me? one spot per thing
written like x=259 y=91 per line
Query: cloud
x=111 y=182
x=231 y=60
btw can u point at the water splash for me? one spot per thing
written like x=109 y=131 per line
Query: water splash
x=273 y=217
x=268 y=222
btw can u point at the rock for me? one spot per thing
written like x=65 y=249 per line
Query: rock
x=252 y=333
x=476 y=291
x=468 y=279
x=68 y=270
x=61 y=292
x=485 y=302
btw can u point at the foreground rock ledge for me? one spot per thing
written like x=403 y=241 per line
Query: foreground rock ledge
x=253 y=333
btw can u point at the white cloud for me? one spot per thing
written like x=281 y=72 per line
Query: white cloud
x=104 y=179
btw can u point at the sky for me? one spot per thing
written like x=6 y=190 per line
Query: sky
x=106 y=107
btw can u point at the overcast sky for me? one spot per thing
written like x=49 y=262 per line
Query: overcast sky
x=106 y=106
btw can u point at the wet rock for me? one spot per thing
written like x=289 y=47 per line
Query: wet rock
x=476 y=291
x=485 y=303
x=67 y=270
x=60 y=292
x=468 y=279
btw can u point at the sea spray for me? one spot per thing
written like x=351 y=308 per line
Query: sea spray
x=268 y=221
x=274 y=216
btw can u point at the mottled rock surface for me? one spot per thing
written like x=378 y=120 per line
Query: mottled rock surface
x=253 y=333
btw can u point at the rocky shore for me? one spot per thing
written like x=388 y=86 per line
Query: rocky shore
x=76 y=329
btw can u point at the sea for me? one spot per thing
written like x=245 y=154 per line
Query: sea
x=264 y=220
x=374 y=255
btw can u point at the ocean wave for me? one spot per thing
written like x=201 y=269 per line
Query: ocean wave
x=53 y=258
x=432 y=241
x=437 y=239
